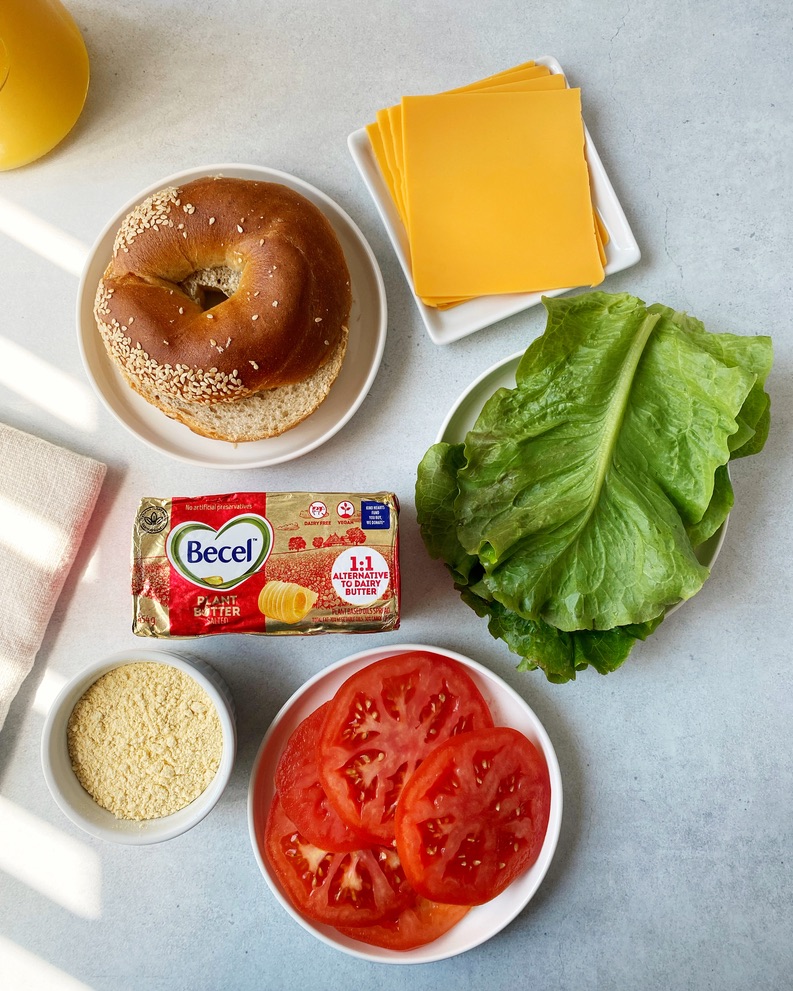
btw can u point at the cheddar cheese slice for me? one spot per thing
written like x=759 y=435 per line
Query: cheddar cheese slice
x=385 y=134
x=397 y=148
x=387 y=141
x=541 y=81
x=378 y=148
x=392 y=166
x=520 y=72
x=499 y=197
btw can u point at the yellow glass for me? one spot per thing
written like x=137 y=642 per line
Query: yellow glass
x=43 y=78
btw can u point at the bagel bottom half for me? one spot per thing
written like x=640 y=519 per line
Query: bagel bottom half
x=264 y=414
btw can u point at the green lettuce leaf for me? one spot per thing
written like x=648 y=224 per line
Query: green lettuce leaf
x=718 y=509
x=571 y=516
x=580 y=483
x=755 y=355
x=436 y=490
x=539 y=645
x=558 y=653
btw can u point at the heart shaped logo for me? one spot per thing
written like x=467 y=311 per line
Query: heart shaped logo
x=224 y=558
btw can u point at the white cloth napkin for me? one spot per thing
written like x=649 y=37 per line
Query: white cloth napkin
x=47 y=495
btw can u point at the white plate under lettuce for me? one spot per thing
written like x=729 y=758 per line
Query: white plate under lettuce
x=446 y=326
x=483 y=921
x=463 y=414
x=367 y=324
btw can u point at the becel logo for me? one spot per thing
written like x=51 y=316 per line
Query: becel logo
x=223 y=558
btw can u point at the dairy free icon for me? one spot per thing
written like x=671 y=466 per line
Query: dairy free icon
x=318 y=510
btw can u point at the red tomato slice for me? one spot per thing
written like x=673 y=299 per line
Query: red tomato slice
x=415 y=925
x=474 y=816
x=357 y=888
x=302 y=796
x=382 y=723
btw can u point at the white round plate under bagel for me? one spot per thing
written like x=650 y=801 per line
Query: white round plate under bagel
x=483 y=921
x=462 y=416
x=367 y=325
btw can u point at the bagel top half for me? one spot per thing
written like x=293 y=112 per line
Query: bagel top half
x=264 y=246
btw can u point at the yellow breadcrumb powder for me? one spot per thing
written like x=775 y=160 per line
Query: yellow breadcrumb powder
x=144 y=740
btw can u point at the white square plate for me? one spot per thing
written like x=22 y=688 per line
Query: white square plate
x=445 y=326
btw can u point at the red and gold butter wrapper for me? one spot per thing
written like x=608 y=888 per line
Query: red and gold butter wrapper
x=266 y=563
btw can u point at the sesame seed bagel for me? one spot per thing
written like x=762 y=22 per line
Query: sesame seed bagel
x=264 y=414
x=275 y=257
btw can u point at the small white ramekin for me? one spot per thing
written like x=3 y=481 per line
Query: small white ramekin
x=75 y=802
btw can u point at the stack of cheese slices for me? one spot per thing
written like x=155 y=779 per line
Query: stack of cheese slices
x=492 y=186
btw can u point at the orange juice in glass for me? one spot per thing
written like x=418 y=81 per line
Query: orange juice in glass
x=43 y=78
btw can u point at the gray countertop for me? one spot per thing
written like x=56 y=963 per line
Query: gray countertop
x=674 y=864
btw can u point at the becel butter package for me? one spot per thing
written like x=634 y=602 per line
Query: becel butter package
x=266 y=563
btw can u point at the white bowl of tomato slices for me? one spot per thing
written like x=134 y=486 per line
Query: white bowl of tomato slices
x=366 y=870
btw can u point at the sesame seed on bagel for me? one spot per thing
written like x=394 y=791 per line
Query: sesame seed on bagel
x=221 y=289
